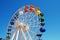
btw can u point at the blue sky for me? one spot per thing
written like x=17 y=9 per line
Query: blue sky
x=51 y=9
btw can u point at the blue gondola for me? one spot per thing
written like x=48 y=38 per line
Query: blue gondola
x=42 y=30
x=9 y=30
x=12 y=23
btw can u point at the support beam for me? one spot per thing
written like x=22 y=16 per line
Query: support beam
x=23 y=35
x=14 y=35
x=29 y=36
x=17 y=35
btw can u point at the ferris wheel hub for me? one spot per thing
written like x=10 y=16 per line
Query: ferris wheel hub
x=22 y=26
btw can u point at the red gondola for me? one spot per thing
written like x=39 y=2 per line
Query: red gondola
x=32 y=9
x=26 y=9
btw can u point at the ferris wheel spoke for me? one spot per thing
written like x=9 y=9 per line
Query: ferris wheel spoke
x=29 y=14
x=24 y=18
x=32 y=17
x=35 y=21
x=33 y=24
x=27 y=18
x=33 y=32
x=34 y=27
x=33 y=37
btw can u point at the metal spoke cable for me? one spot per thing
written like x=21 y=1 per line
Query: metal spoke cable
x=33 y=32
x=32 y=17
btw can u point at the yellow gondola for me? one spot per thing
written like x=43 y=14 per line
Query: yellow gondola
x=37 y=12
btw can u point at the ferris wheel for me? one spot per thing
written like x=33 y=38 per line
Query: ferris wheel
x=26 y=24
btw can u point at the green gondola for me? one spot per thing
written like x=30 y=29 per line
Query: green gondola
x=41 y=19
x=8 y=37
x=41 y=14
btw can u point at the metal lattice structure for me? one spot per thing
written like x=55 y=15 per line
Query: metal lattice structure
x=26 y=24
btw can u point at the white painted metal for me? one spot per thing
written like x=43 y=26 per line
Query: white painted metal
x=17 y=35
x=14 y=34
x=23 y=35
x=29 y=37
